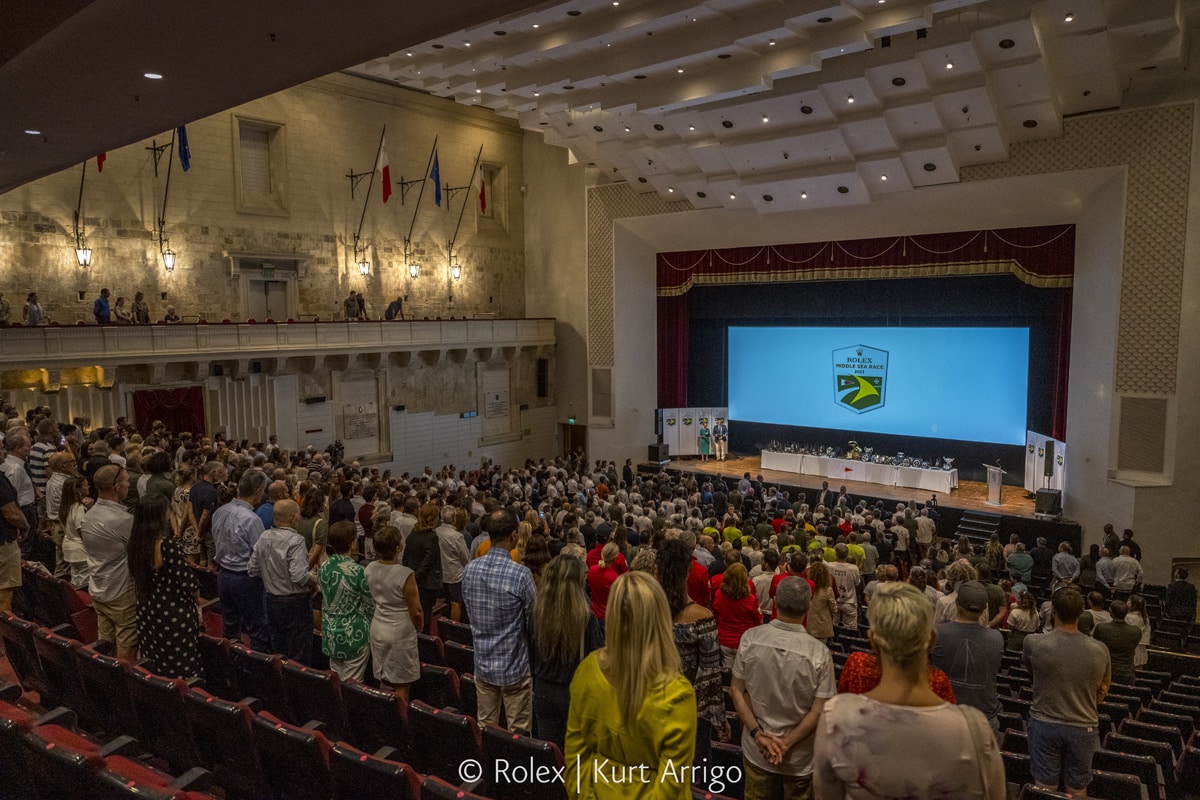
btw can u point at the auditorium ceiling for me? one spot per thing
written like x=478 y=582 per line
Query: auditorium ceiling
x=773 y=105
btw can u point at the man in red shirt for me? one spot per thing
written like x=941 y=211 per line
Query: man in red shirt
x=698 y=587
x=797 y=565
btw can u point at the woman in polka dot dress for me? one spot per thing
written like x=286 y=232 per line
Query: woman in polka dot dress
x=168 y=614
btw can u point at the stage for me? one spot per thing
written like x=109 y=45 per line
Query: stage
x=969 y=496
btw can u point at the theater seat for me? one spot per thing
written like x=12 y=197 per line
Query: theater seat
x=729 y=756
x=260 y=676
x=316 y=694
x=1188 y=771
x=219 y=673
x=158 y=703
x=103 y=679
x=452 y=631
x=15 y=722
x=434 y=788
x=1016 y=768
x=1159 y=751
x=500 y=744
x=61 y=763
x=1116 y=786
x=377 y=719
x=459 y=657
x=437 y=686
x=442 y=740
x=1154 y=733
x=56 y=654
x=358 y=775
x=430 y=651
x=17 y=636
x=223 y=736
x=294 y=759
x=125 y=779
x=1144 y=767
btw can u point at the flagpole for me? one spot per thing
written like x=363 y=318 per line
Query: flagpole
x=471 y=182
x=370 y=184
x=420 y=194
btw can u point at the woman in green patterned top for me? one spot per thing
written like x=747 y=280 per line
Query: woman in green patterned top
x=347 y=606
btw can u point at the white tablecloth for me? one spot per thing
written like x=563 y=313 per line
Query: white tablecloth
x=839 y=469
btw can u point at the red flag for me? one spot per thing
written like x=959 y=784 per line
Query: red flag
x=482 y=193
x=100 y=161
x=385 y=171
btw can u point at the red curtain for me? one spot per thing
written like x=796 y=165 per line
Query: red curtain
x=673 y=322
x=180 y=409
x=1062 y=359
x=1040 y=256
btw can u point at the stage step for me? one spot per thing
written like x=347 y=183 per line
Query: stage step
x=978 y=526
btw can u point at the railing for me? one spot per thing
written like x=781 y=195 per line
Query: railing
x=54 y=346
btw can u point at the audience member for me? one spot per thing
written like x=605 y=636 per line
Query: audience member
x=1122 y=641
x=971 y=654
x=945 y=751
x=168 y=615
x=1180 y=599
x=735 y=608
x=564 y=632
x=347 y=607
x=105 y=533
x=280 y=559
x=1127 y=572
x=423 y=555
x=630 y=704
x=397 y=618
x=782 y=677
x=498 y=595
x=235 y=531
x=1071 y=675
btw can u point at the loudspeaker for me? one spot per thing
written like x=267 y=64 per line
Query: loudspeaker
x=658 y=422
x=658 y=452
x=543 y=377
x=1049 y=501
x=1048 y=466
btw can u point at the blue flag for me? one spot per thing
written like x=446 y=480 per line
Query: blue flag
x=436 y=174
x=185 y=153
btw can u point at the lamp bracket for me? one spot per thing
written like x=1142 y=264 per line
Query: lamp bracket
x=405 y=186
x=356 y=178
x=158 y=150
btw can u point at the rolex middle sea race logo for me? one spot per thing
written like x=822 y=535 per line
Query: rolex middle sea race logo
x=860 y=378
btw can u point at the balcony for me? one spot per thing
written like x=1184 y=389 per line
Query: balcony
x=55 y=347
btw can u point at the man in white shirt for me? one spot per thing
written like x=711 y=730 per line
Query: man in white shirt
x=280 y=558
x=1127 y=571
x=105 y=532
x=847 y=578
x=453 y=547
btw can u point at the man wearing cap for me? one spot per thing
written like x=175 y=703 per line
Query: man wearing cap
x=720 y=435
x=970 y=654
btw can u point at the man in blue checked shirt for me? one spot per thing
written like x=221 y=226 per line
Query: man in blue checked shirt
x=498 y=594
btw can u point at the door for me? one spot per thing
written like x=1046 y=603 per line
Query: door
x=267 y=299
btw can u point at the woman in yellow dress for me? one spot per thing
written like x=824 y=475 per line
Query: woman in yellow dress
x=631 y=728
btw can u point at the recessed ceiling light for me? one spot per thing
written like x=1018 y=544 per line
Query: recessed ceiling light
x=535 y=25
x=639 y=77
x=1069 y=17
x=724 y=55
x=806 y=109
x=537 y=94
x=568 y=87
x=766 y=118
x=573 y=13
x=627 y=129
x=1030 y=123
x=691 y=127
x=898 y=81
x=641 y=180
x=409 y=54
x=500 y=33
x=883 y=177
x=616 y=2
x=154 y=76
x=466 y=44
x=768 y=198
x=32 y=132
x=949 y=64
x=771 y=43
x=437 y=46
x=597 y=129
x=843 y=190
x=823 y=20
x=732 y=196
x=726 y=123
x=671 y=189
x=1087 y=92
x=679 y=70
x=931 y=167
x=658 y=127
x=849 y=98
x=701 y=195
x=1007 y=44
x=479 y=91
x=804 y=195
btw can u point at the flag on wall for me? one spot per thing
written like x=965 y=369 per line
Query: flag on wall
x=384 y=171
x=100 y=161
x=482 y=192
x=436 y=174
x=185 y=152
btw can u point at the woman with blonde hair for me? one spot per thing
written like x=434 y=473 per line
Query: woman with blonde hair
x=736 y=608
x=946 y=750
x=652 y=723
x=564 y=631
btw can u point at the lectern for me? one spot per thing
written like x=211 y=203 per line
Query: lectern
x=995 y=480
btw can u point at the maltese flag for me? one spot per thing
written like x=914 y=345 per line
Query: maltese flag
x=384 y=171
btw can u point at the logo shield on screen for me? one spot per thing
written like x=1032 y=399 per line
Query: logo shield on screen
x=860 y=378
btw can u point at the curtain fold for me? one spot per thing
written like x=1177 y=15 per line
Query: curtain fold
x=1062 y=360
x=673 y=336
x=180 y=409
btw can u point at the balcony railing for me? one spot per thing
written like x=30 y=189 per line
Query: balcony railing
x=54 y=346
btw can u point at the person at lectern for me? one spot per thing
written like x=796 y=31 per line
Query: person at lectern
x=720 y=434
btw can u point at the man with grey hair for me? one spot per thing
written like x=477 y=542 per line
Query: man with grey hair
x=35 y=546
x=782 y=677
x=235 y=530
